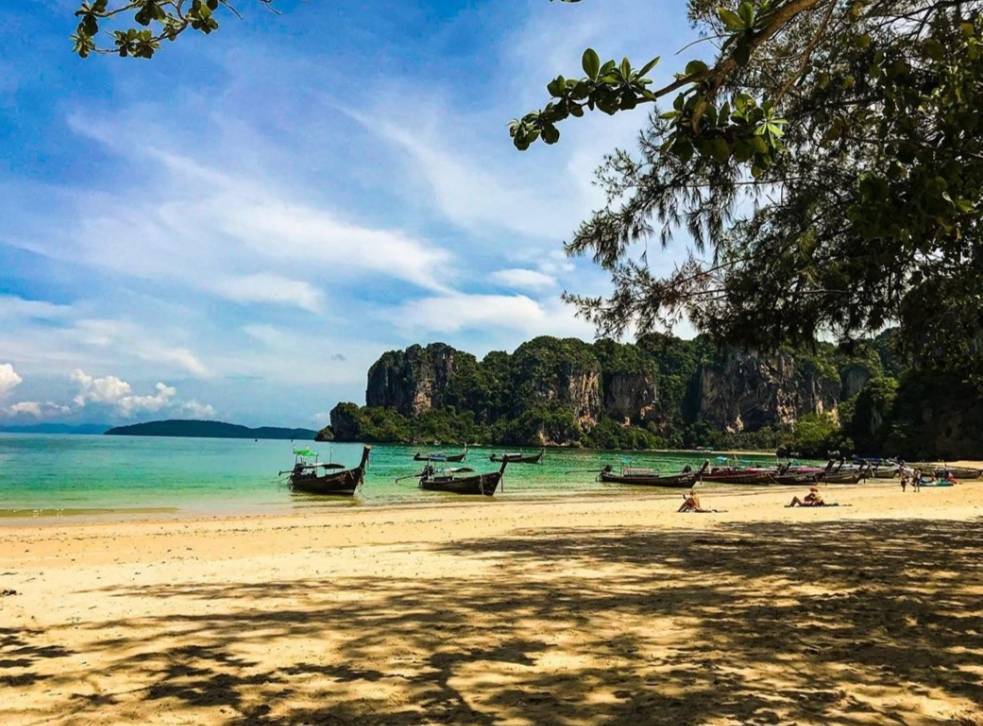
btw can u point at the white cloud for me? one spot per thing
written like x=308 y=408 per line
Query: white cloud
x=469 y=185
x=302 y=235
x=110 y=391
x=267 y=334
x=117 y=393
x=12 y=307
x=196 y=409
x=99 y=390
x=36 y=409
x=459 y=311
x=451 y=313
x=50 y=338
x=556 y=262
x=180 y=357
x=9 y=379
x=240 y=228
x=266 y=288
x=523 y=278
x=132 y=339
x=30 y=408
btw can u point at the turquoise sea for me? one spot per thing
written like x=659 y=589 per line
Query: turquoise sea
x=97 y=476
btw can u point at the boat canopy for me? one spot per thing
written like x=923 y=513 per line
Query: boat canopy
x=305 y=452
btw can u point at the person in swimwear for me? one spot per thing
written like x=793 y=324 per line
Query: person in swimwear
x=812 y=499
x=691 y=503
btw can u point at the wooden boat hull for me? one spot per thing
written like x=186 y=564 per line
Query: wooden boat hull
x=740 y=477
x=452 y=458
x=520 y=459
x=675 y=481
x=483 y=484
x=340 y=484
x=799 y=478
x=848 y=477
x=959 y=472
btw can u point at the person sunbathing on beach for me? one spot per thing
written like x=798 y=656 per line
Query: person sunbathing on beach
x=691 y=503
x=812 y=499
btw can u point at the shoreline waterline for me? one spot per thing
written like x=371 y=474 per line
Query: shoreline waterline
x=325 y=508
x=65 y=476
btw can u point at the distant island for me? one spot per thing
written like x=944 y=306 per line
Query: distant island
x=210 y=430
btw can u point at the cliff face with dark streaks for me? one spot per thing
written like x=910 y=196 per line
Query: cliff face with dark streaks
x=414 y=380
x=568 y=392
x=747 y=390
x=666 y=392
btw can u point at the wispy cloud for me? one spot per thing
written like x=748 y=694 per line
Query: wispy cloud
x=202 y=224
x=523 y=278
x=13 y=307
x=264 y=288
x=519 y=313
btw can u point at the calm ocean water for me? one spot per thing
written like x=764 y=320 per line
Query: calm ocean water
x=42 y=476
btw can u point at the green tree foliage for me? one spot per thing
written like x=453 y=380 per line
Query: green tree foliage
x=828 y=165
x=816 y=435
x=869 y=420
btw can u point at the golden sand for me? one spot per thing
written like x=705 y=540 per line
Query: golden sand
x=526 y=612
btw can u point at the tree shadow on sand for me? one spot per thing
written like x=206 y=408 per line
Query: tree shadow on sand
x=846 y=622
x=21 y=650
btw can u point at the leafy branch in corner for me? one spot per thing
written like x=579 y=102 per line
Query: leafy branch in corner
x=155 y=21
x=741 y=126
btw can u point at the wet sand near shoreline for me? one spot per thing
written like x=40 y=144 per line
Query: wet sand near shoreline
x=579 y=610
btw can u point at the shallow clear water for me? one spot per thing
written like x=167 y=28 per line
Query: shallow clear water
x=57 y=475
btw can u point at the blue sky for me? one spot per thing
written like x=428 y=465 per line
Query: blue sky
x=240 y=226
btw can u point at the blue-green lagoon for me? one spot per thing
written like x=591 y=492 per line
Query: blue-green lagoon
x=65 y=475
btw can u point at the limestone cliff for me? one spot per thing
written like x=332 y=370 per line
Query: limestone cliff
x=414 y=380
x=746 y=390
x=631 y=398
x=569 y=392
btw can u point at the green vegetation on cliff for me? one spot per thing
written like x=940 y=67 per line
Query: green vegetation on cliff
x=667 y=392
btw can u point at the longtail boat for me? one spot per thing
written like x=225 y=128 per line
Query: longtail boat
x=876 y=467
x=739 y=475
x=647 y=477
x=442 y=457
x=519 y=458
x=789 y=474
x=306 y=477
x=844 y=473
x=444 y=480
x=791 y=468
x=940 y=471
x=795 y=477
x=850 y=476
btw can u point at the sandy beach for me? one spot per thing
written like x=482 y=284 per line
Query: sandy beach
x=594 y=609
